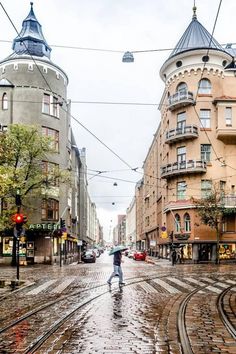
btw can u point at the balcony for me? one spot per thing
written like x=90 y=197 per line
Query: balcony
x=229 y=201
x=227 y=135
x=184 y=167
x=178 y=134
x=180 y=99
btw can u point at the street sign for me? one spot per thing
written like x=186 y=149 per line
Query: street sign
x=79 y=242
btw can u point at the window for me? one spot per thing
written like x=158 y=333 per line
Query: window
x=206 y=187
x=187 y=223
x=228 y=116
x=54 y=135
x=206 y=152
x=181 y=156
x=50 y=209
x=46 y=103
x=55 y=107
x=204 y=86
x=4 y=102
x=177 y=223
x=181 y=121
x=50 y=105
x=222 y=188
x=182 y=87
x=205 y=118
x=181 y=190
x=51 y=171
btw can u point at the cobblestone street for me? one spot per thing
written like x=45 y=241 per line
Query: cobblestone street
x=84 y=315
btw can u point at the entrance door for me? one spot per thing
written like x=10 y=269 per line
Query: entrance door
x=204 y=252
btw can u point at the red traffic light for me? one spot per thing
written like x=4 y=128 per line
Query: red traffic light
x=18 y=218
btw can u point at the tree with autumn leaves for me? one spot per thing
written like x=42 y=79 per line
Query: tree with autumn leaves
x=23 y=151
x=211 y=210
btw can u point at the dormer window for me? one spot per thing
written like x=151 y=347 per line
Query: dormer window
x=204 y=87
x=4 y=102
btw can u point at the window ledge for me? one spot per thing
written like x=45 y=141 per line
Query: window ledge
x=204 y=95
x=50 y=115
x=206 y=129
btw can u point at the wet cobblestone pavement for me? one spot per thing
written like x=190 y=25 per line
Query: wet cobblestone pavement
x=142 y=317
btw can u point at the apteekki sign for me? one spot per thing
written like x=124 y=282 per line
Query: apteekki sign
x=48 y=226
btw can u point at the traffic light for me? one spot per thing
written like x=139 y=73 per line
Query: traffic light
x=62 y=223
x=19 y=219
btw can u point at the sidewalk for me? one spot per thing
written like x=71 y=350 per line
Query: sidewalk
x=158 y=261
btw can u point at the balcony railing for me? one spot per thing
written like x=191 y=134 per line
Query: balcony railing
x=186 y=132
x=177 y=168
x=229 y=201
x=180 y=99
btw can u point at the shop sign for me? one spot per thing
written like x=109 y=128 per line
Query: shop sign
x=79 y=242
x=152 y=243
x=48 y=226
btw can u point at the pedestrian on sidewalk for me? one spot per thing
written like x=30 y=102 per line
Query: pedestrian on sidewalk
x=173 y=257
x=117 y=268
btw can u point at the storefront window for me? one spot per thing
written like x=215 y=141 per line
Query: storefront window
x=227 y=251
x=7 y=245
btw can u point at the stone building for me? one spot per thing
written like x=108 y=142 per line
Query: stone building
x=33 y=90
x=194 y=148
x=130 y=237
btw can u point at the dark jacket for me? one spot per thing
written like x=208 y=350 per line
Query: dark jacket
x=117 y=258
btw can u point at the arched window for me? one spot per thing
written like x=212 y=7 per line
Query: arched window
x=182 y=87
x=187 y=223
x=177 y=223
x=4 y=101
x=204 y=86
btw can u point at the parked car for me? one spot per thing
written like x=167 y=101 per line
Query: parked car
x=89 y=256
x=96 y=251
x=131 y=253
x=139 y=255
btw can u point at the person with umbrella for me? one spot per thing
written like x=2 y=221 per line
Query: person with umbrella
x=117 y=271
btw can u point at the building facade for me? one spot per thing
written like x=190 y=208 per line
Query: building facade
x=193 y=149
x=130 y=238
x=33 y=91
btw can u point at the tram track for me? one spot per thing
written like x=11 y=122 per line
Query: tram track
x=184 y=338
x=225 y=315
x=66 y=297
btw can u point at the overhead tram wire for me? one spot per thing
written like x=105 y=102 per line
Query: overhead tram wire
x=45 y=80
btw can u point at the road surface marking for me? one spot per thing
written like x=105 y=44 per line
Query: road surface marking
x=166 y=286
x=42 y=287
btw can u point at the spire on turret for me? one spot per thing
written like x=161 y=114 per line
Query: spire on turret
x=194 y=12
x=31 y=40
x=195 y=37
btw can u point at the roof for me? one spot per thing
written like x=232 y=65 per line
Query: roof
x=31 y=38
x=195 y=37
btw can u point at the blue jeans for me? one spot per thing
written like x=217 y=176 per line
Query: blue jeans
x=117 y=271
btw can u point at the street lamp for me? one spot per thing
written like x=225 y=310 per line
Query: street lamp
x=128 y=57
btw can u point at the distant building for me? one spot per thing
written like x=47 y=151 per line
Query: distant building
x=130 y=238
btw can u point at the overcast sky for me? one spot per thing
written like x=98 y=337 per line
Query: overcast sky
x=116 y=25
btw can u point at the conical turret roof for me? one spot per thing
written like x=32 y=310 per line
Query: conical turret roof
x=31 y=40
x=195 y=37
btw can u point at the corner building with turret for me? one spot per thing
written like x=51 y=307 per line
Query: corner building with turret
x=33 y=90
x=196 y=148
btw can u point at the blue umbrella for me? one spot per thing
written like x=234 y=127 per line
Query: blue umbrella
x=117 y=249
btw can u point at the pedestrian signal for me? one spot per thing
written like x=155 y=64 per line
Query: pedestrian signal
x=62 y=223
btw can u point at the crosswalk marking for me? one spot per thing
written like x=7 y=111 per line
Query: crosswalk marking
x=166 y=286
x=42 y=287
x=208 y=280
x=222 y=285
x=148 y=288
x=228 y=281
x=63 y=285
x=194 y=281
x=212 y=288
x=182 y=284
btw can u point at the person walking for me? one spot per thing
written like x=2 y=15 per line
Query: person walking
x=117 y=271
x=173 y=257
